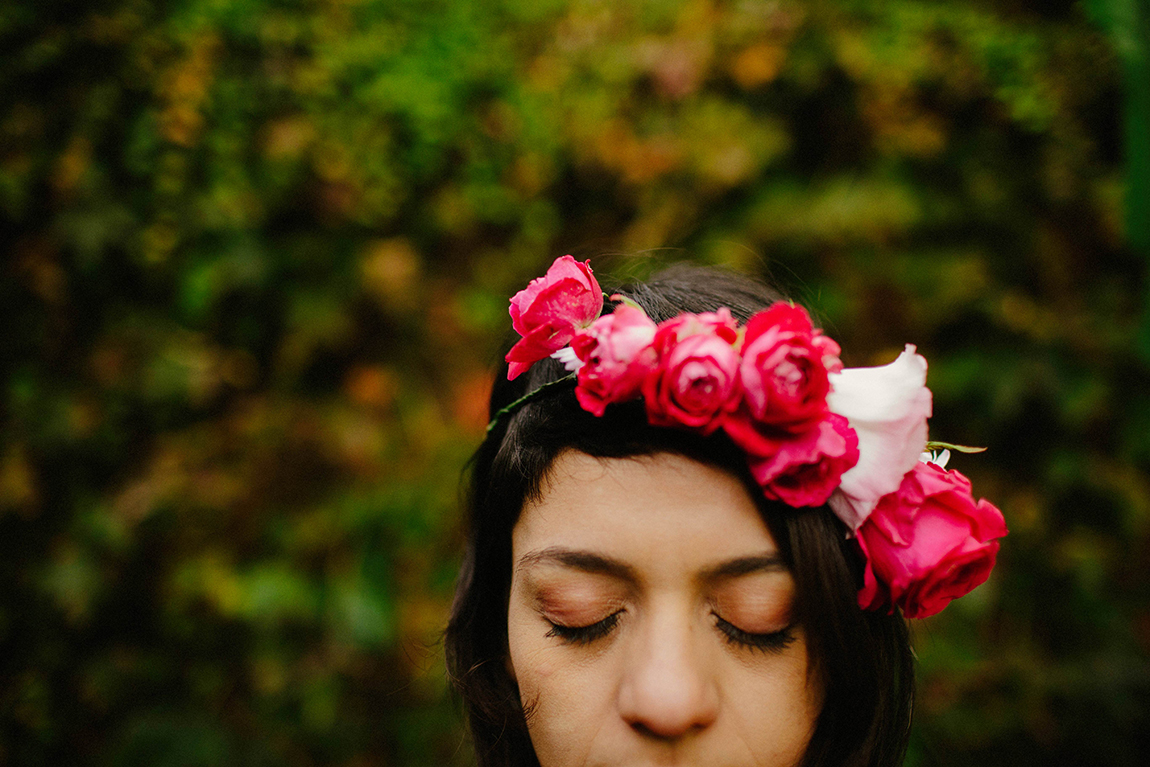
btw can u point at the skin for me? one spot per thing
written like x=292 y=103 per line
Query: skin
x=675 y=642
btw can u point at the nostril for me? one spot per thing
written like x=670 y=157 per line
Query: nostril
x=666 y=734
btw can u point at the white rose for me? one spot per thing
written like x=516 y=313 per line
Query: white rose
x=887 y=406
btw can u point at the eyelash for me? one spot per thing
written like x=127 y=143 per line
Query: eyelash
x=585 y=634
x=776 y=641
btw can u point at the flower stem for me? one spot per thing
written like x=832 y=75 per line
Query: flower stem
x=507 y=410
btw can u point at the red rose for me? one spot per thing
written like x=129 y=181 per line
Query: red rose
x=784 y=369
x=617 y=355
x=927 y=543
x=697 y=379
x=805 y=470
x=550 y=310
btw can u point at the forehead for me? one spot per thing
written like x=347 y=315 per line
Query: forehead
x=662 y=512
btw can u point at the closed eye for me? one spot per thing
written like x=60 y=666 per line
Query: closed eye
x=773 y=642
x=585 y=634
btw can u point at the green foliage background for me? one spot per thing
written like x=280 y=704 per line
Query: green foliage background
x=257 y=255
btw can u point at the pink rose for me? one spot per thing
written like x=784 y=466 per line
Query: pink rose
x=927 y=543
x=550 y=310
x=806 y=468
x=784 y=369
x=617 y=355
x=887 y=406
x=696 y=381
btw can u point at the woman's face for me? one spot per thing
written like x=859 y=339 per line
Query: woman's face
x=650 y=620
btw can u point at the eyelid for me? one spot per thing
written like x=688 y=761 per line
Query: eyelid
x=576 y=609
x=582 y=635
x=769 y=642
x=755 y=608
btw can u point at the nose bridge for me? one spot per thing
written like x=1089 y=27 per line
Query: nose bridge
x=669 y=688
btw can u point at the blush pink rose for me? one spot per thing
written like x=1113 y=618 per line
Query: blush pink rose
x=806 y=468
x=784 y=369
x=696 y=382
x=551 y=310
x=927 y=543
x=617 y=356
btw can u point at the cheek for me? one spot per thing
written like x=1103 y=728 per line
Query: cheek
x=778 y=706
x=546 y=675
x=568 y=701
x=525 y=640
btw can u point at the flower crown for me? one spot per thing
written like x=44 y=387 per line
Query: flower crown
x=814 y=432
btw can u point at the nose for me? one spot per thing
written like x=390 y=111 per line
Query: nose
x=668 y=689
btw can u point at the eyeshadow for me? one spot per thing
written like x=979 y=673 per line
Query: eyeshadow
x=757 y=603
x=575 y=599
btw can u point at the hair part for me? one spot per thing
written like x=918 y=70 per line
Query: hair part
x=862 y=659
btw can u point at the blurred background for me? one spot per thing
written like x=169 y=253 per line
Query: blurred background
x=257 y=257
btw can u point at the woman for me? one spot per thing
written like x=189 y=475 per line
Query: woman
x=654 y=573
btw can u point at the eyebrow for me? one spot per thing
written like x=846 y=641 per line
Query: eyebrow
x=733 y=568
x=586 y=561
x=599 y=564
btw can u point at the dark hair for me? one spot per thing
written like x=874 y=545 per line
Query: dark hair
x=863 y=659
